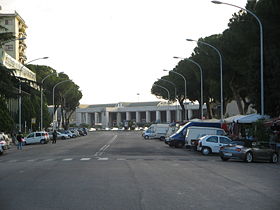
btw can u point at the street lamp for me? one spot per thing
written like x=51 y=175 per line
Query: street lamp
x=175 y=91
x=221 y=72
x=19 y=90
x=187 y=115
x=41 y=125
x=168 y=94
x=261 y=49
x=201 y=82
x=53 y=96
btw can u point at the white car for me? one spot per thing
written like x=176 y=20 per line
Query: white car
x=41 y=137
x=212 y=143
x=62 y=136
x=3 y=144
x=5 y=141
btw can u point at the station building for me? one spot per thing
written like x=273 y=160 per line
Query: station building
x=110 y=115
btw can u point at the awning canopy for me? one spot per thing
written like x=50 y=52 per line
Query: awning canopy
x=251 y=118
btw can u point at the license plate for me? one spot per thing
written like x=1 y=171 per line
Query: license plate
x=227 y=154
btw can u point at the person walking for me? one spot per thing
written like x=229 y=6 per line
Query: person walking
x=19 y=139
x=54 y=137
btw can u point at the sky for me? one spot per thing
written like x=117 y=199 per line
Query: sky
x=114 y=50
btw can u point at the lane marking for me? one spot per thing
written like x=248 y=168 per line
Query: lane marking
x=103 y=159
x=103 y=149
x=47 y=160
x=67 y=159
x=85 y=159
x=12 y=161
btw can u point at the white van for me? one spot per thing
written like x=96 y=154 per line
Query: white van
x=194 y=133
x=157 y=131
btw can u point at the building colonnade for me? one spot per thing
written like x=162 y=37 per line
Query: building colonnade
x=114 y=115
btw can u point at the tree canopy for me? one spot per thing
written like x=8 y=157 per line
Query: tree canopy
x=239 y=45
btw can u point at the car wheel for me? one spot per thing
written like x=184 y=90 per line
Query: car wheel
x=206 y=150
x=42 y=141
x=63 y=138
x=162 y=138
x=179 y=144
x=249 y=157
x=146 y=137
x=274 y=158
x=224 y=159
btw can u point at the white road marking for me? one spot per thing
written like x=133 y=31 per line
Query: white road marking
x=121 y=159
x=12 y=161
x=67 y=159
x=103 y=159
x=105 y=147
x=84 y=159
x=48 y=160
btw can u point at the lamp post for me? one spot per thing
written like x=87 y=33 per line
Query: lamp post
x=19 y=90
x=261 y=48
x=201 y=82
x=41 y=125
x=175 y=89
x=186 y=115
x=53 y=96
x=221 y=73
x=168 y=94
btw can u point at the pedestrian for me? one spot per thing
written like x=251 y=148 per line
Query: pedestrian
x=20 y=140
x=54 y=137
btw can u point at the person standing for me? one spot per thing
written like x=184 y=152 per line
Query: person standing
x=54 y=137
x=19 y=139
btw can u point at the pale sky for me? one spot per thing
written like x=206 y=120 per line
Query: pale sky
x=114 y=49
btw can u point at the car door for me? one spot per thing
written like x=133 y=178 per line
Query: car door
x=30 y=138
x=37 y=138
x=262 y=151
x=213 y=143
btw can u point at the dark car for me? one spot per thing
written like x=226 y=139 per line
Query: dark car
x=249 y=151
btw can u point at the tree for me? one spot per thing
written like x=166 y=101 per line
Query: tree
x=67 y=95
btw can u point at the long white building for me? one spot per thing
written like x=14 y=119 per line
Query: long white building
x=109 y=115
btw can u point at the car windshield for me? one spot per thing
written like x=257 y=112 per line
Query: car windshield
x=242 y=143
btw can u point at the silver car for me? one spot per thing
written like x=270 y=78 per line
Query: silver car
x=249 y=151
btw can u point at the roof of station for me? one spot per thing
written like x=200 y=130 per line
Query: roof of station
x=122 y=104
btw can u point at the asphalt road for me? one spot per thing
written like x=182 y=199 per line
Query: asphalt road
x=119 y=170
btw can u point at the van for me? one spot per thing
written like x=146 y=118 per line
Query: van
x=195 y=132
x=157 y=131
x=178 y=139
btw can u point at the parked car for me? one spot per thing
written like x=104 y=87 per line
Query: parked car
x=85 y=130
x=75 y=132
x=69 y=133
x=80 y=132
x=249 y=151
x=37 y=137
x=60 y=135
x=4 y=145
x=5 y=140
x=211 y=143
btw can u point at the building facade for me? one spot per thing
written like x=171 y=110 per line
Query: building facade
x=113 y=115
x=12 y=22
